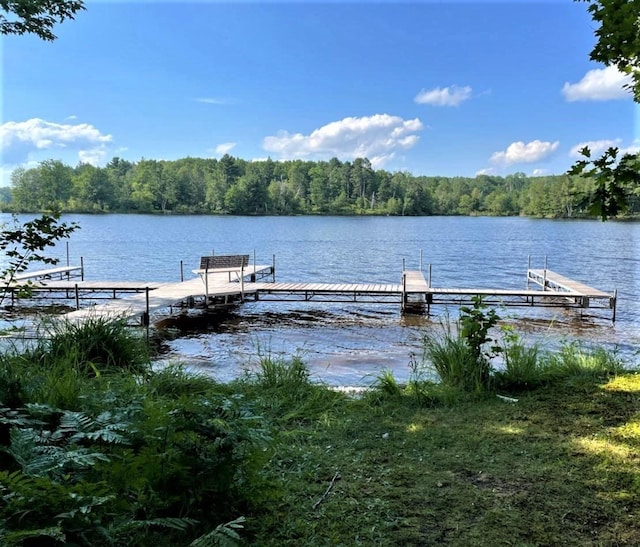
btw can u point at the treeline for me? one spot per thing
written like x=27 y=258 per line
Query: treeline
x=235 y=186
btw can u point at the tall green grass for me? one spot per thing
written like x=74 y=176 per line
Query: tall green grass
x=576 y=362
x=455 y=362
x=95 y=346
x=522 y=368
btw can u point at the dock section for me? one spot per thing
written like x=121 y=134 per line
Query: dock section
x=215 y=288
x=228 y=280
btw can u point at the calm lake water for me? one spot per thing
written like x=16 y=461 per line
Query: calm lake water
x=347 y=343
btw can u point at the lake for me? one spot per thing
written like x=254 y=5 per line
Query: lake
x=349 y=343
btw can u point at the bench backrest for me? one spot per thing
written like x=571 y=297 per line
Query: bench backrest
x=223 y=261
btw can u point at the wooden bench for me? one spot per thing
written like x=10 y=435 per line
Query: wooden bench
x=222 y=263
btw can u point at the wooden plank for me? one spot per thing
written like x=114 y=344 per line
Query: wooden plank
x=60 y=270
x=570 y=285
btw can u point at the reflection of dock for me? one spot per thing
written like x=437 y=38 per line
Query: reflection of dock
x=226 y=280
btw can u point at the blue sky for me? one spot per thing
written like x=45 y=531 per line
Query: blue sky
x=435 y=88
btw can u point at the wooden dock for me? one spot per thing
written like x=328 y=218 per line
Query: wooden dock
x=215 y=289
x=235 y=282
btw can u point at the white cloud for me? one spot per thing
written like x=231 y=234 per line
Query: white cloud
x=94 y=156
x=225 y=148
x=519 y=152
x=596 y=147
x=632 y=149
x=600 y=84
x=212 y=100
x=487 y=171
x=539 y=172
x=445 y=96
x=19 y=139
x=376 y=137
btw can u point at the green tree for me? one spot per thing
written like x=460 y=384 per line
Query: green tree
x=47 y=187
x=618 y=44
x=93 y=187
x=614 y=180
x=36 y=16
x=618 y=37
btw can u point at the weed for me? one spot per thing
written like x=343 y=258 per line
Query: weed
x=387 y=385
x=578 y=364
x=95 y=346
x=523 y=369
x=455 y=361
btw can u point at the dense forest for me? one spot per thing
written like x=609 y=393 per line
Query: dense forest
x=234 y=186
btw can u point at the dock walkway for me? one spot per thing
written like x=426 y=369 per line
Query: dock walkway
x=222 y=286
x=152 y=297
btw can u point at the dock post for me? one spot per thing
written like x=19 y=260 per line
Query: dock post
x=403 y=265
x=206 y=285
x=145 y=316
x=77 y=298
x=544 y=277
x=528 y=269
x=242 y=283
x=181 y=272
x=429 y=280
x=81 y=269
x=404 y=291
x=273 y=268
x=613 y=304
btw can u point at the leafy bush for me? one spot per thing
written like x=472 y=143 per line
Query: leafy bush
x=91 y=454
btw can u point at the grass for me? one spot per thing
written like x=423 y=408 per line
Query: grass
x=559 y=467
x=165 y=457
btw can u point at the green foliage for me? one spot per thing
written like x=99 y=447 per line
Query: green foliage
x=618 y=36
x=615 y=182
x=523 y=369
x=462 y=360
x=579 y=365
x=36 y=16
x=97 y=345
x=455 y=362
x=279 y=373
x=233 y=185
x=387 y=385
x=475 y=324
x=98 y=449
x=618 y=44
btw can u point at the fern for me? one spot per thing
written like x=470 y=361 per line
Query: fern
x=180 y=524
x=18 y=537
x=224 y=535
x=38 y=457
